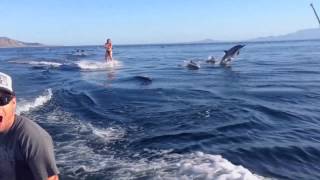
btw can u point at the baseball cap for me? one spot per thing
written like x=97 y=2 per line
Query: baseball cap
x=6 y=83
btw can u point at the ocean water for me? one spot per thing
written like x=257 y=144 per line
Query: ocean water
x=147 y=116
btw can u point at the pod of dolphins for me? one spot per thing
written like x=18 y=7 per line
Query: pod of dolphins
x=229 y=55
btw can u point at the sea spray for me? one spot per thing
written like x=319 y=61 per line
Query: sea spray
x=25 y=106
x=96 y=65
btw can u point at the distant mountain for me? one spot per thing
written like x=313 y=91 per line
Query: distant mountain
x=7 y=43
x=306 y=34
x=204 y=41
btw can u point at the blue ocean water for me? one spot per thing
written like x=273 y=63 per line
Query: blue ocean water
x=147 y=116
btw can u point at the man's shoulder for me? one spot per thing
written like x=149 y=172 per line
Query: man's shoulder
x=31 y=137
x=30 y=129
x=28 y=124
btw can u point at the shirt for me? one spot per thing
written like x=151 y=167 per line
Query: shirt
x=26 y=152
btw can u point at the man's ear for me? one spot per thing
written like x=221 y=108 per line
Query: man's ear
x=14 y=100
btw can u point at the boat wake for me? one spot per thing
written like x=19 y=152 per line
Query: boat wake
x=25 y=106
x=82 y=65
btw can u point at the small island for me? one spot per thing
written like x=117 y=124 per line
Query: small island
x=6 y=42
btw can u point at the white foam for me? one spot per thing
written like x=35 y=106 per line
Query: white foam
x=46 y=63
x=196 y=165
x=205 y=166
x=25 y=106
x=108 y=134
x=86 y=154
x=168 y=165
x=79 y=156
x=18 y=62
x=98 y=65
x=43 y=63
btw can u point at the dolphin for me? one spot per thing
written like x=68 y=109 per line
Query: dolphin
x=193 y=65
x=231 y=54
x=145 y=80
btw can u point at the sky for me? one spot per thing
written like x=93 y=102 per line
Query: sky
x=91 y=22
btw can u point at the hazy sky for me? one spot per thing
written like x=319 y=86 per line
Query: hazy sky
x=90 y=22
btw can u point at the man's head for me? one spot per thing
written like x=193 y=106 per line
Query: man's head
x=7 y=103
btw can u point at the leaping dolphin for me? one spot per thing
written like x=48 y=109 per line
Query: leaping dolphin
x=231 y=54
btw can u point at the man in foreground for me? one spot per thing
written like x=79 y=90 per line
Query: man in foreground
x=26 y=150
